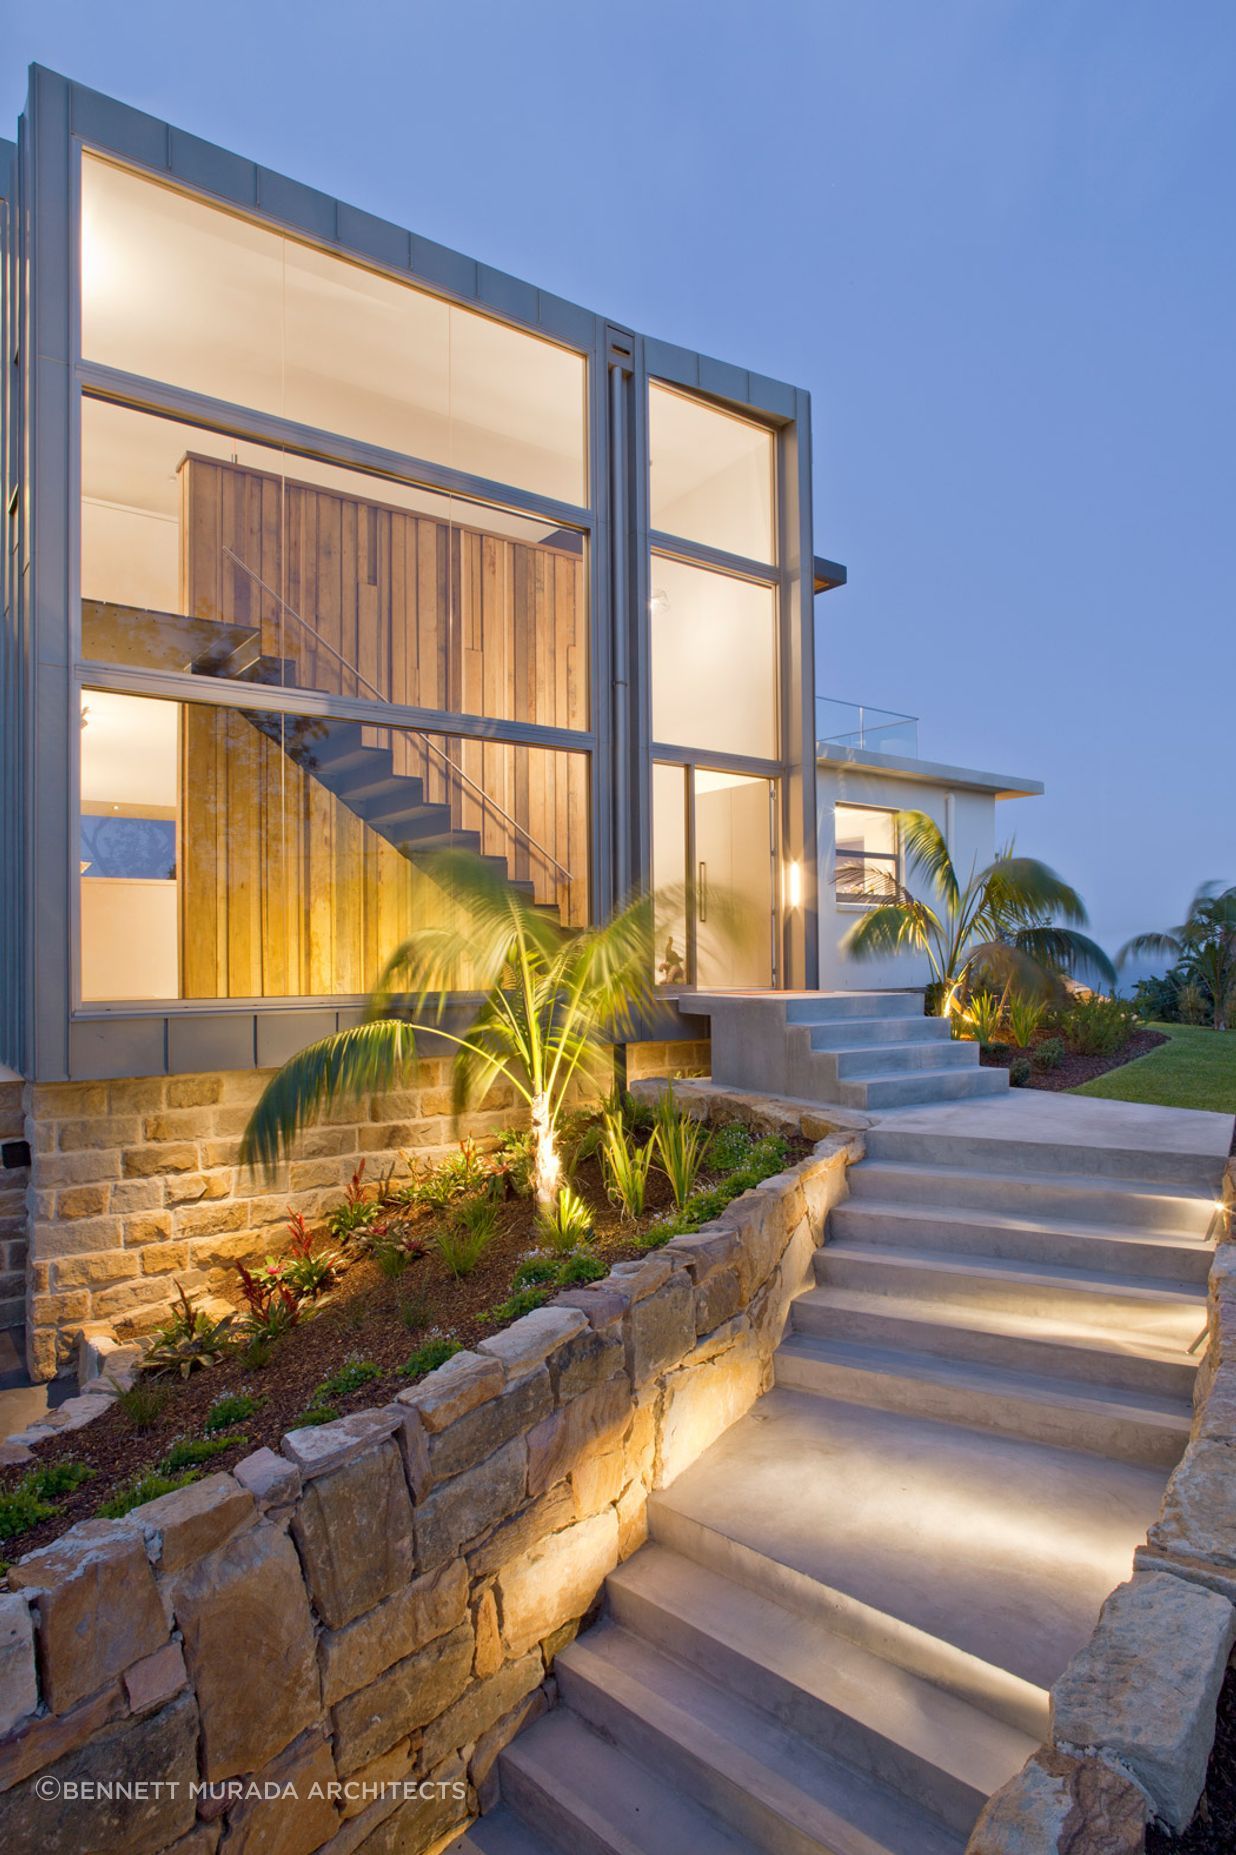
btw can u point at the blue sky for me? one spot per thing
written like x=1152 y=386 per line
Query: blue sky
x=996 y=239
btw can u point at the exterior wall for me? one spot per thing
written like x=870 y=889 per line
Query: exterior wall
x=686 y=1058
x=973 y=839
x=408 y=1573
x=14 y=1180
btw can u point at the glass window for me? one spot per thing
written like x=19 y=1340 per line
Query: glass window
x=189 y=294
x=669 y=872
x=712 y=475
x=714 y=660
x=206 y=554
x=866 y=854
x=240 y=853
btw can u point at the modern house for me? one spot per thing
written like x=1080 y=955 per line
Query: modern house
x=326 y=547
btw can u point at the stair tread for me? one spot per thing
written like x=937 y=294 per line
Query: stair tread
x=998 y=1322
x=624 y=1804
x=936 y=1726
x=815 y=1795
x=976 y=1217
x=1017 y=1268
x=1002 y=1547
x=1174 y=1413
x=500 y=1833
x=1084 y=1183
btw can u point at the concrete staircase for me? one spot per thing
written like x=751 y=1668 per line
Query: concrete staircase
x=841 y=1635
x=867 y=1050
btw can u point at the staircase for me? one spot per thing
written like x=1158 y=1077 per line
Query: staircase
x=841 y=1635
x=867 y=1050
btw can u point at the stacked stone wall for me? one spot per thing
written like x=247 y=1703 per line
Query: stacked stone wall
x=14 y=1182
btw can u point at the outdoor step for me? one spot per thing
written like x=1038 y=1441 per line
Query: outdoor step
x=502 y=1833
x=1122 y=1426
x=952 y=1331
x=1033 y=1131
x=828 y=1007
x=989 y=1233
x=895 y=1091
x=848 y=1032
x=765 y=1783
x=855 y=1062
x=587 y=1796
x=1058 y=1197
x=1124 y=1304
x=933 y=1748
x=973 y=1560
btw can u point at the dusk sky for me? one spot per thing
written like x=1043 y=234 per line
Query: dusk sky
x=996 y=239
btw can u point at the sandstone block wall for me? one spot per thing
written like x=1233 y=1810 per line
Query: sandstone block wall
x=370 y=1615
x=14 y=1181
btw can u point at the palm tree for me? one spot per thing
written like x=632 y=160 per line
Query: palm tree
x=553 y=1000
x=1204 y=944
x=1014 y=919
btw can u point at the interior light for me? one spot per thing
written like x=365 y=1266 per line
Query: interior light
x=659 y=604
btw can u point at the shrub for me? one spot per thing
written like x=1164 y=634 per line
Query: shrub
x=457 y=1176
x=567 y=1224
x=33 y=1498
x=434 y=1351
x=191 y=1452
x=510 y=1164
x=272 y=1307
x=357 y=1211
x=681 y=1144
x=145 y=1488
x=229 y=1410
x=1047 y=1055
x=315 y=1414
x=536 y=1269
x=636 y=1115
x=584 y=1266
x=1019 y=1072
x=188 y=1339
x=730 y=1147
x=933 y=997
x=981 y=1018
x=1159 y=998
x=143 y=1404
x=1193 y=1003
x=348 y=1377
x=414 y=1311
x=468 y=1235
x=1097 y=1026
x=307 y=1271
x=626 y=1167
x=521 y=1302
x=1025 y=1015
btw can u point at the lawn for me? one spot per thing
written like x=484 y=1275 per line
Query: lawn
x=1195 y=1068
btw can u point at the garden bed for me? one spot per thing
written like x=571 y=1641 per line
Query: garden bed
x=1213 y=1829
x=1072 y=1069
x=369 y=1337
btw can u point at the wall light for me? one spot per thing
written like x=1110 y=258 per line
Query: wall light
x=794 y=884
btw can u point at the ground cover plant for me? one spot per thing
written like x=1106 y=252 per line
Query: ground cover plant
x=374 y=1328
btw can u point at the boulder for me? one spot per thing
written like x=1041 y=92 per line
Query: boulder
x=98 y=1608
x=1061 y=1805
x=353 y=1529
x=19 y=1686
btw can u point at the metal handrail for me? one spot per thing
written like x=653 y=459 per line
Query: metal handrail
x=458 y=772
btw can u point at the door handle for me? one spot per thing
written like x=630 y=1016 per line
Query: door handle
x=702 y=901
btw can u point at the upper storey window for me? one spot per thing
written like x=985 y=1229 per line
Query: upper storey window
x=191 y=295
x=712 y=476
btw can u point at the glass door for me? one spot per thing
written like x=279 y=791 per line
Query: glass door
x=714 y=865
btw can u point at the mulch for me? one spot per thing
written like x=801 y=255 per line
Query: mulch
x=368 y=1316
x=1075 y=1069
x=1213 y=1829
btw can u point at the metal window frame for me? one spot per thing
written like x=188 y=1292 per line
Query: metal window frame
x=861 y=903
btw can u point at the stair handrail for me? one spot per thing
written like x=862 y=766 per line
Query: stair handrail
x=458 y=772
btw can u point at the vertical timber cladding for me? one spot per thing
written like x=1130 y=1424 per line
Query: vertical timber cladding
x=366 y=599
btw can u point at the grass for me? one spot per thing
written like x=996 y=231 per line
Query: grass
x=1195 y=1069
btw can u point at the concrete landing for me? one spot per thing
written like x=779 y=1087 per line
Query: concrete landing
x=1087 y=1124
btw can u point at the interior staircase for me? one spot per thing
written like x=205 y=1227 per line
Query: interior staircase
x=842 y=1632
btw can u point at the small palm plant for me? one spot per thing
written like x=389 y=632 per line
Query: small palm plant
x=1204 y=944
x=681 y=1144
x=1014 y=920
x=553 y=999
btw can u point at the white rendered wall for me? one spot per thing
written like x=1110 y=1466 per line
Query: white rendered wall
x=969 y=824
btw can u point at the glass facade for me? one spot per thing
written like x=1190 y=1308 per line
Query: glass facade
x=712 y=475
x=714 y=660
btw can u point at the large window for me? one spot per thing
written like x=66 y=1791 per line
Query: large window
x=186 y=293
x=712 y=475
x=866 y=867
x=714 y=660
x=242 y=853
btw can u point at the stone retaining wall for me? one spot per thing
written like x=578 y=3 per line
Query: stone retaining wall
x=1133 y=1715
x=380 y=1604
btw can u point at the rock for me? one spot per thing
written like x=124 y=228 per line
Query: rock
x=531 y=1522
x=422 y=1823
x=49 y=1736
x=1061 y=1805
x=597 y=1481
x=247 y=1601
x=1146 y=1686
x=297 y=1820
x=556 y=1580
x=468 y=1505
x=487 y=1659
x=123 y=1759
x=480 y=1707
x=591 y=1423
x=353 y=1529
x=184 y=1526
x=701 y=1402
x=351 y=1658
x=153 y=1680
x=454 y=1389
x=19 y=1686
x=603 y=1304
x=529 y=1341
x=591 y=1357
x=272 y=1480
x=1197 y=1520
x=319 y=1448
x=14 y=1455
x=515 y=1410
x=98 y=1608
x=409 y=1695
x=660 y=1329
x=481 y=1766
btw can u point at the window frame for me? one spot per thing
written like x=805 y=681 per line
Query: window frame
x=863 y=904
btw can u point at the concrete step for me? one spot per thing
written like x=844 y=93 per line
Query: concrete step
x=1053 y=1196
x=501 y=1833
x=855 y=1061
x=767 y=1784
x=886 y=1723
x=988 y=1233
x=1123 y=1426
x=925 y=1085
x=1104 y=1302
x=855 y=1031
x=975 y=1561
x=984 y=1337
x=829 y=1007
x=588 y=1796
x=1129 y=1152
